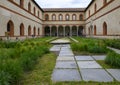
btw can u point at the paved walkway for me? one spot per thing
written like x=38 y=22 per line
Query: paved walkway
x=80 y=68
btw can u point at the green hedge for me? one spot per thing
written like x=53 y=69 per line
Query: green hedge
x=87 y=45
x=113 y=59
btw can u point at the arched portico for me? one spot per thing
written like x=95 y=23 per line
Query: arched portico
x=60 y=31
x=47 y=31
x=74 y=30
x=80 y=31
x=53 y=31
x=67 y=31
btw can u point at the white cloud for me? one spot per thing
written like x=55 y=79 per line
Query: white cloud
x=63 y=3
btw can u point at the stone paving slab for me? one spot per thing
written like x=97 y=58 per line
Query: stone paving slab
x=97 y=75
x=88 y=64
x=65 y=59
x=66 y=64
x=65 y=75
x=99 y=57
x=66 y=56
x=79 y=58
x=115 y=73
x=67 y=52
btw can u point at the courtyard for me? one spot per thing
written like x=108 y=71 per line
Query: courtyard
x=60 y=61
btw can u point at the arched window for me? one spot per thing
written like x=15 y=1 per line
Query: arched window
x=67 y=17
x=95 y=30
x=74 y=17
x=53 y=17
x=46 y=17
x=81 y=17
x=88 y=31
x=104 y=28
x=29 y=7
x=34 y=31
x=38 y=31
x=60 y=17
x=29 y=30
x=34 y=11
x=22 y=3
x=21 y=29
x=10 y=28
x=38 y=14
x=104 y=2
x=89 y=13
x=95 y=8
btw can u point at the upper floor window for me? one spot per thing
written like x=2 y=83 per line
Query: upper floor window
x=29 y=7
x=104 y=2
x=46 y=17
x=22 y=3
x=89 y=13
x=34 y=11
x=38 y=14
x=60 y=17
x=53 y=17
x=73 y=17
x=95 y=8
x=81 y=17
x=67 y=17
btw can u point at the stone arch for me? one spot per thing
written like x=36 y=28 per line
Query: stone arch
x=81 y=17
x=10 y=28
x=74 y=17
x=95 y=7
x=53 y=17
x=54 y=31
x=95 y=29
x=46 y=17
x=34 y=11
x=60 y=31
x=29 y=30
x=21 y=29
x=38 y=14
x=34 y=31
x=29 y=7
x=74 y=30
x=67 y=17
x=89 y=31
x=22 y=3
x=67 y=30
x=80 y=30
x=104 y=28
x=60 y=17
x=47 y=31
x=38 y=31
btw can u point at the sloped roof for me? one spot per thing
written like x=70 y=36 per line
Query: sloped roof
x=64 y=9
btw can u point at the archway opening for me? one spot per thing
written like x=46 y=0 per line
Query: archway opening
x=10 y=29
x=95 y=30
x=67 y=31
x=60 y=31
x=47 y=31
x=29 y=31
x=21 y=29
x=54 y=31
x=34 y=31
x=80 y=31
x=74 y=30
x=104 y=28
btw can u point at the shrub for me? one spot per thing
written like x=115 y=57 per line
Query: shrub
x=113 y=59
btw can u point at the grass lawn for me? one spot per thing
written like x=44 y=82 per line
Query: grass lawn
x=42 y=72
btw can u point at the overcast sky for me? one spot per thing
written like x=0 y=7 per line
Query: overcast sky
x=63 y=3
